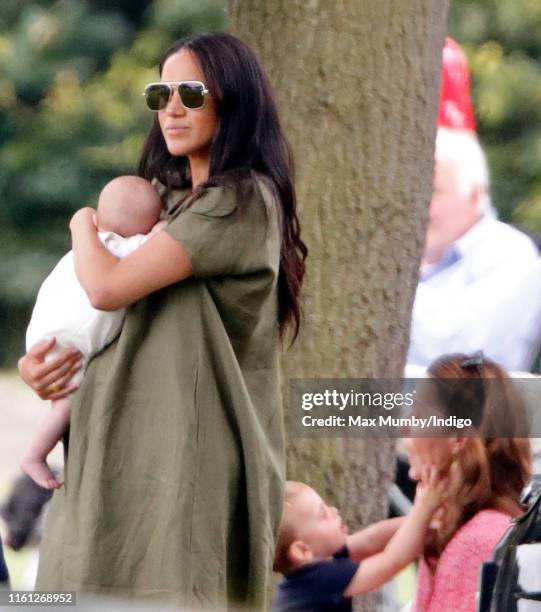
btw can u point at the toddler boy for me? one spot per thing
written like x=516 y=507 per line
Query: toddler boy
x=321 y=563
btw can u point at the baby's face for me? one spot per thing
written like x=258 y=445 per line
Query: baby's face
x=319 y=525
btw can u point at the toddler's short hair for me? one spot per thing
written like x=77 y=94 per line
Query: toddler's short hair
x=287 y=532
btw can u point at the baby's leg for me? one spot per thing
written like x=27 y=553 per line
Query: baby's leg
x=49 y=432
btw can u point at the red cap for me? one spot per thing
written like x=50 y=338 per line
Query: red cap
x=456 y=110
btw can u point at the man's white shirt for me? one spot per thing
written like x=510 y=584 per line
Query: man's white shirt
x=483 y=294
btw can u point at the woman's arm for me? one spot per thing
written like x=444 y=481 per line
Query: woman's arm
x=112 y=283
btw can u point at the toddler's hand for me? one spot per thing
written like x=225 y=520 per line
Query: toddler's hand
x=431 y=490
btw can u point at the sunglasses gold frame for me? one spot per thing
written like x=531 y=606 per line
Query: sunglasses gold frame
x=175 y=86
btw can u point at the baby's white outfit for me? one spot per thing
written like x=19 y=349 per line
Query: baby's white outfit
x=63 y=310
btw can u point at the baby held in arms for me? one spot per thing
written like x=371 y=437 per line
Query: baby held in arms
x=127 y=215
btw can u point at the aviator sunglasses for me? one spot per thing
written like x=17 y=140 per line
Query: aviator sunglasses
x=191 y=93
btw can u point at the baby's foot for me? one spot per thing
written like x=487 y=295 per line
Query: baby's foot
x=40 y=473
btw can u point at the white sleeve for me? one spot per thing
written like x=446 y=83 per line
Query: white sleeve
x=119 y=246
x=63 y=311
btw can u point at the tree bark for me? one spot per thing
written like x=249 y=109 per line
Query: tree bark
x=357 y=84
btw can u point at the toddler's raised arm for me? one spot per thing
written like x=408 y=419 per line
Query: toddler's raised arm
x=372 y=539
x=408 y=541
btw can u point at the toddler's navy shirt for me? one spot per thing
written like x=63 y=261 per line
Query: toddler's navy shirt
x=318 y=586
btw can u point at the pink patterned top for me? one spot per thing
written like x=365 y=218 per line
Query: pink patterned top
x=453 y=586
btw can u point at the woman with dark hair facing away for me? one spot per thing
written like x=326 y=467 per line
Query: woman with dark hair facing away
x=176 y=461
x=486 y=477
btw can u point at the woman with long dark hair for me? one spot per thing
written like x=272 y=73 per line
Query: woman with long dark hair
x=176 y=461
x=487 y=473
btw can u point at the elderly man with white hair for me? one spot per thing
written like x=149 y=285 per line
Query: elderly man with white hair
x=480 y=279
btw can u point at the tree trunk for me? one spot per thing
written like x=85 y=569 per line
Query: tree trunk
x=358 y=87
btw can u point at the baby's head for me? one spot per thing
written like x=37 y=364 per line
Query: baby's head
x=309 y=529
x=128 y=205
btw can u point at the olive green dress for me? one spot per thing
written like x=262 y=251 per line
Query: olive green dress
x=176 y=460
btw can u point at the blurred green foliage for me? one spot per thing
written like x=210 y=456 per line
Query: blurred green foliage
x=502 y=39
x=72 y=117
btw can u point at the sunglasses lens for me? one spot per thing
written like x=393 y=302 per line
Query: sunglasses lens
x=192 y=94
x=157 y=96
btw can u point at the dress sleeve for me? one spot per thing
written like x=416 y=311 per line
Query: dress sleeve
x=224 y=233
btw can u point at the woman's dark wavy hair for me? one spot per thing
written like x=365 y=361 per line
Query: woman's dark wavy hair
x=249 y=139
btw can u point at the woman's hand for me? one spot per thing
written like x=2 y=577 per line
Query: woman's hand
x=49 y=379
x=83 y=218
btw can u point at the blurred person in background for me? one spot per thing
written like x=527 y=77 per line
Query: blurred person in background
x=22 y=512
x=487 y=476
x=22 y=515
x=4 y=576
x=480 y=279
